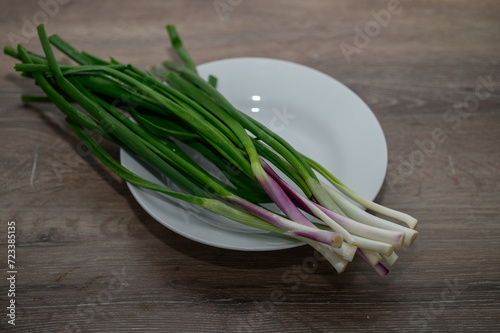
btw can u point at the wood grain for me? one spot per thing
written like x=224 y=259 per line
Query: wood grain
x=90 y=259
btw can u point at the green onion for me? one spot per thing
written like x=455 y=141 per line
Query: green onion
x=163 y=115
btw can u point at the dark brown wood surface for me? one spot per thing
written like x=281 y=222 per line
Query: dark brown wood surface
x=90 y=259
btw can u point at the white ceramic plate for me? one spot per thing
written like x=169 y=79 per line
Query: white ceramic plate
x=318 y=115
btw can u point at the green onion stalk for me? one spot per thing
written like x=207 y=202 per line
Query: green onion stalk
x=171 y=108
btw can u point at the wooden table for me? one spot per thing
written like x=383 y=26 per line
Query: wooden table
x=89 y=258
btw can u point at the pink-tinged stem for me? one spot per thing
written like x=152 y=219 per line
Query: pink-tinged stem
x=306 y=204
x=379 y=268
x=280 y=221
x=280 y=198
x=373 y=257
x=394 y=238
x=333 y=239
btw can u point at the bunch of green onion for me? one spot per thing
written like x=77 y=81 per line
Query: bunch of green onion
x=170 y=108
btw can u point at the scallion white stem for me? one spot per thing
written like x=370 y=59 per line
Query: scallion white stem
x=358 y=214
